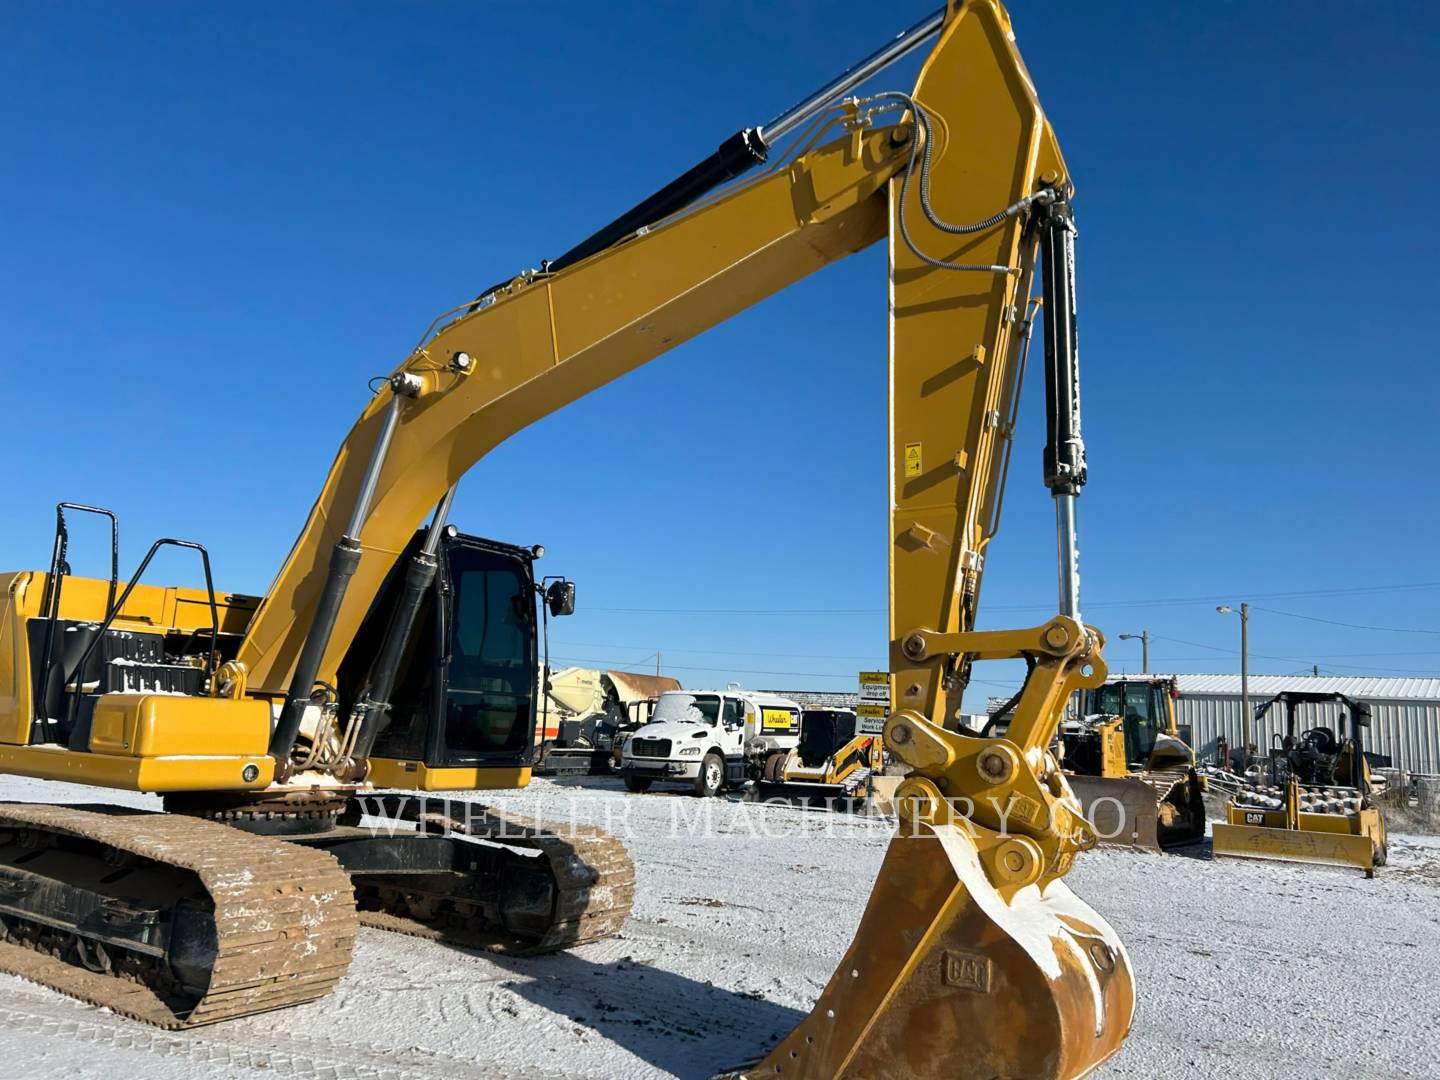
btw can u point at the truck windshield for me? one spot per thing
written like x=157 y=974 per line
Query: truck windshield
x=687 y=708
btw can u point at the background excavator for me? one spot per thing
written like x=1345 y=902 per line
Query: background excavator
x=389 y=653
x=1129 y=766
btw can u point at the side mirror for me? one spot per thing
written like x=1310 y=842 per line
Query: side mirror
x=560 y=597
x=1360 y=713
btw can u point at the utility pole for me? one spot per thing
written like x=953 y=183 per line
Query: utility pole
x=1315 y=670
x=657 y=663
x=1144 y=637
x=1244 y=613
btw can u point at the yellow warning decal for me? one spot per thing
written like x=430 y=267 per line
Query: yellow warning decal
x=912 y=459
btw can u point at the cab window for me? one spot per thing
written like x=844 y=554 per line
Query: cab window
x=734 y=712
x=491 y=671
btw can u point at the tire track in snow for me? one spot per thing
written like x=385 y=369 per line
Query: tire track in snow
x=276 y=1055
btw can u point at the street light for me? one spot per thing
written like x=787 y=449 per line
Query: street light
x=1144 y=637
x=1244 y=613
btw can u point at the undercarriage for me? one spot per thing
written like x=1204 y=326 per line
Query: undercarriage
x=182 y=921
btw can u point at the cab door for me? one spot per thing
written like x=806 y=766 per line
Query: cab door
x=732 y=726
x=486 y=713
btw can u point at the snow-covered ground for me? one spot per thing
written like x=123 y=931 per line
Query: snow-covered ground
x=1244 y=969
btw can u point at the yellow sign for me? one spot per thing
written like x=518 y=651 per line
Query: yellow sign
x=776 y=718
x=871 y=712
x=875 y=687
x=912 y=459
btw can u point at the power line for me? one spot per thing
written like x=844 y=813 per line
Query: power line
x=1351 y=626
x=1293 y=594
x=621 y=664
x=871 y=659
x=1286 y=659
x=867 y=659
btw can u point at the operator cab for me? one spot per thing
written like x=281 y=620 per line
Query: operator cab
x=472 y=659
x=1144 y=708
x=822 y=733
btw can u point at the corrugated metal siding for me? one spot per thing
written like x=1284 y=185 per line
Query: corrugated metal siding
x=1366 y=687
x=1407 y=731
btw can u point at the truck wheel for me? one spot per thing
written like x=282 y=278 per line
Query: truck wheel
x=637 y=784
x=712 y=776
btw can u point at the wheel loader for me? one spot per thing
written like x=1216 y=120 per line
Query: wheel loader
x=300 y=739
x=1131 y=770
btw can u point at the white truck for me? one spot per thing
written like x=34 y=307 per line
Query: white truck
x=709 y=739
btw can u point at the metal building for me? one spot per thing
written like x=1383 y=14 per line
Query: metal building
x=1404 y=722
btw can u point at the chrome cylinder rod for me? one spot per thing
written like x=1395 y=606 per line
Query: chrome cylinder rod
x=344 y=559
x=742 y=151
x=437 y=523
x=371 y=479
x=900 y=46
x=1069 y=556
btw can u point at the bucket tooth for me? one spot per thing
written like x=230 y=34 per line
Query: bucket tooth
x=947 y=977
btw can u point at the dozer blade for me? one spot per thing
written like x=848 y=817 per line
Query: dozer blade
x=945 y=978
x=1294 y=845
x=1123 y=811
x=1151 y=812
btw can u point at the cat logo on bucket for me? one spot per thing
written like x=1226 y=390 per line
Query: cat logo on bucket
x=967 y=971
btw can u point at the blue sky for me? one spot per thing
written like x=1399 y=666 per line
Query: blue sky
x=222 y=219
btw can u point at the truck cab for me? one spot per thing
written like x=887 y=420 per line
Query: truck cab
x=709 y=739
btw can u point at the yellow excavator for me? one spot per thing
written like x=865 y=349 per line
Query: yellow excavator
x=391 y=654
x=1131 y=770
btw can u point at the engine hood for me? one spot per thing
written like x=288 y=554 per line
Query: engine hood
x=679 y=733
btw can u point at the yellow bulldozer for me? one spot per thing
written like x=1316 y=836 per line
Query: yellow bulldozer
x=1312 y=799
x=1130 y=768
x=392 y=657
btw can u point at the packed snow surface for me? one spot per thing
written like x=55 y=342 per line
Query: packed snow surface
x=1244 y=969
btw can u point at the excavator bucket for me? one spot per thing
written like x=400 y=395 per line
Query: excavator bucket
x=946 y=978
x=1149 y=812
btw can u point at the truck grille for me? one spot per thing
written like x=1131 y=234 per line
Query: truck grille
x=650 y=747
